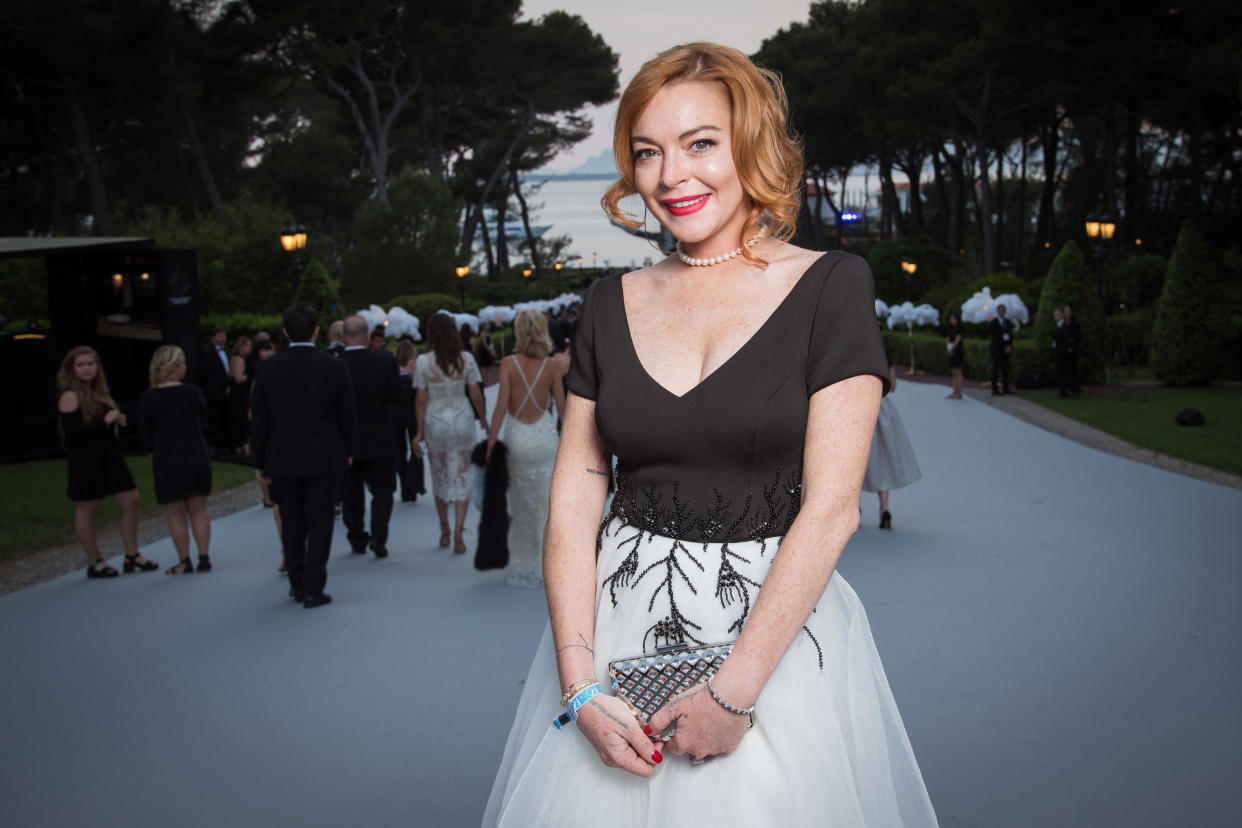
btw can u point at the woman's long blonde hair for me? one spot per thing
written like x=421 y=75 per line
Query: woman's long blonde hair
x=768 y=159
x=530 y=334
x=164 y=364
x=92 y=397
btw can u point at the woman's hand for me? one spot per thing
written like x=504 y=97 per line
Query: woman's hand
x=112 y=415
x=491 y=441
x=416 y=445
x=704 y=728
x=609 y=725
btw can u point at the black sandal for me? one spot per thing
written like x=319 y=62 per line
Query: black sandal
x=132 y=564
x=106 y=572
x=204 y=563
x=183 y=567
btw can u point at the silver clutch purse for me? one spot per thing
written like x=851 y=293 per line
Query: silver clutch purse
x=646 y=682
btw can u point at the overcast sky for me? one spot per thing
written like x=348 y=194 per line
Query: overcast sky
x=639 y=29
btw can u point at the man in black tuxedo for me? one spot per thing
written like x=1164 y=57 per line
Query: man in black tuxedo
x=1058 y=349
x=303 y=432
x=377 y=388
x=1002 y=346
x=1073 y=344
x=214 y=380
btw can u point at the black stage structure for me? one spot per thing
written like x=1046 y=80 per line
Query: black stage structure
x=122 y=296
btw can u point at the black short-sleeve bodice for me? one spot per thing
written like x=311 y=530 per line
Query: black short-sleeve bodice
x=723 y=462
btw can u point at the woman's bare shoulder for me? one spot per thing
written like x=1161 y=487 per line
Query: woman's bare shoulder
x=68 y=402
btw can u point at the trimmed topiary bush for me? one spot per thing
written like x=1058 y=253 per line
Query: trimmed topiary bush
x=321 y=292
x=1189 y=334
x=1069 y=281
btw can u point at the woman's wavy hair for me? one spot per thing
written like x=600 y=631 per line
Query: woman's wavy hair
x=91 y=398
x=530 y=334
x=445 y=341
x=164 y=364
x=406 y=352
x=239 y=343
x=768 y=158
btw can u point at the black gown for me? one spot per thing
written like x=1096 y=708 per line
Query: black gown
x=96 y=466
x=170 y=421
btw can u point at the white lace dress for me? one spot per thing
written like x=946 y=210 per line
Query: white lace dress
x=532 y=453
x=449 y=427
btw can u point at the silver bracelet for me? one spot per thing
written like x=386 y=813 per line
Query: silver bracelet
x=735 y=710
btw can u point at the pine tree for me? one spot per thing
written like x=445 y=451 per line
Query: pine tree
x=320 y=291
x=1187 y=338
x=1069 y=282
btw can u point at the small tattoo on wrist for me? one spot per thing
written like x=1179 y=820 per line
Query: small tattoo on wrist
x=601 y=472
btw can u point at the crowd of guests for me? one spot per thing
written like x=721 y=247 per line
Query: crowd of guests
x=323 y=429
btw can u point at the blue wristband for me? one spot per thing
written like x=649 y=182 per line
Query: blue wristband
x=584 y=696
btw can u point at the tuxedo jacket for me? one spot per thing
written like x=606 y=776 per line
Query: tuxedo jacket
x=1073 y=337
x=336 y=349
x=998 y=329
x=302 y=420
x=214 y=378
x=377 y=392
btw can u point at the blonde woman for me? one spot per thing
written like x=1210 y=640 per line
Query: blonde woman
x=170 y=420
x=530 y=382
x=89 y=419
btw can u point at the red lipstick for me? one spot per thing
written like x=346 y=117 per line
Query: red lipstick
x=686 y=205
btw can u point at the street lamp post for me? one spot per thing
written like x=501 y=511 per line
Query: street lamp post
x=1100 y=232
x=293 y=240
x=910 y=266
x=461 y=272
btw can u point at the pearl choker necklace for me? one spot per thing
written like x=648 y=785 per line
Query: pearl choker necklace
x=724 y=257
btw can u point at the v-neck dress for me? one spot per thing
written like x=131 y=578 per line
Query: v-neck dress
x=708 y=483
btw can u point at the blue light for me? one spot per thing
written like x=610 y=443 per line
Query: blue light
x=850 y=217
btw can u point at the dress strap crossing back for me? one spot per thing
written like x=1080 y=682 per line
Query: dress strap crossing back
x=530 y=386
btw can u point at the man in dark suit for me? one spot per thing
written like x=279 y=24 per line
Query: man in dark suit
x=1002 y=346
x=303 y=432
x=377 y=388
x=214 y=380
x=1058 y=349
x=1073 y=344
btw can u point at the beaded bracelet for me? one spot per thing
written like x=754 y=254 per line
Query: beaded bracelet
x=574 y=689
x=735 y=710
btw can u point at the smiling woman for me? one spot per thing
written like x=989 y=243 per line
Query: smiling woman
x=737 y=385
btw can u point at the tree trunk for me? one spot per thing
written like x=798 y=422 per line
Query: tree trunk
x=85 y=149
x=1128 y=226
x=531 y=242
x=985 y=209
x=912 y=165
x=502 y=240
x=893 y=219
x=200 y=158
x=487 y=243
x=1020 y=233
x=1049 y=136
x=468 y=237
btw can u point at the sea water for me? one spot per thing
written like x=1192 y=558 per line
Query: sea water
x=572 y=209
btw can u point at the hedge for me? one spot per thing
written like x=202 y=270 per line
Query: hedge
x=931 y=357
x=1190 y=326
x=239 y=324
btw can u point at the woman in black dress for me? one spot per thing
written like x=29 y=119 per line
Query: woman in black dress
x=737 y=384
x=239 y=393
x=170 y=419
x=89 y=420
x=957 y=354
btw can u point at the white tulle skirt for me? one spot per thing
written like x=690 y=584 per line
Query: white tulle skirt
x=828 y=746
x=892 y=463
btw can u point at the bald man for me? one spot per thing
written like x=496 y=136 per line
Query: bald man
x=377 y=388
x=336 y=339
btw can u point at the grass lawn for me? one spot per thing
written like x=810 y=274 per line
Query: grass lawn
x=1145 y=418
x=36 y=514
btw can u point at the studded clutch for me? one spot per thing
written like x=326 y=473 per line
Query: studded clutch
x=646 y=682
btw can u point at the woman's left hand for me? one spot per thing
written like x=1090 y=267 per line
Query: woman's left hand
x=704 y=728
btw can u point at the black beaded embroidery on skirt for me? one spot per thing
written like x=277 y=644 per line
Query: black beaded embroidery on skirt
x=644 y=515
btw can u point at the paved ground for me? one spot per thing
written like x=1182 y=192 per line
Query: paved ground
x=1059 y=625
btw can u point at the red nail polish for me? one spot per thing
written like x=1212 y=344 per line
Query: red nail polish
x=657 y=758
x=647 y=729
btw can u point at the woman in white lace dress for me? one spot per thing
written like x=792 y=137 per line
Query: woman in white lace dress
x=530 y=381
x=446 y=403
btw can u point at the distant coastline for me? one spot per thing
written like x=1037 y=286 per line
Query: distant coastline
x=538 y=176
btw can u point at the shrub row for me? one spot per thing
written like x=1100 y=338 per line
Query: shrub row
x=930 y=355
